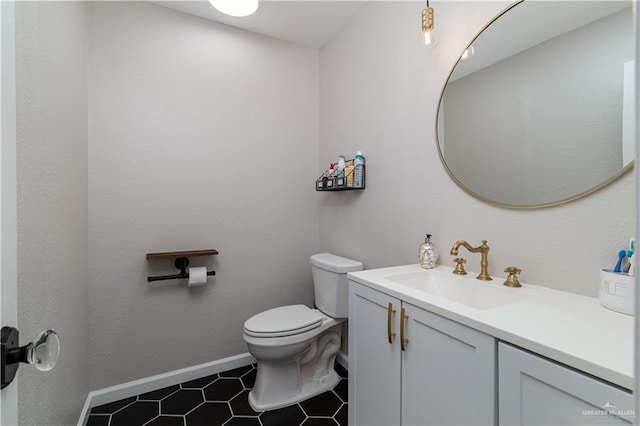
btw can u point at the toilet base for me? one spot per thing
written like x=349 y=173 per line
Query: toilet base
x=308 y=389
x=282 y=382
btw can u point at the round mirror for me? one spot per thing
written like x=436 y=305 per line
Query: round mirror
x=539 y=109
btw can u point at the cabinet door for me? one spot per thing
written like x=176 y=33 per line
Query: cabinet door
x=374 y=363
x=535 y=391
x=448 y=372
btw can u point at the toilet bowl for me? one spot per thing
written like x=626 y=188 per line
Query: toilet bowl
x=294 y=367
x=296 y=346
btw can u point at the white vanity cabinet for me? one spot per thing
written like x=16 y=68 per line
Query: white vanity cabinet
x=536 y=391
x=443 y=373
x=374 y=364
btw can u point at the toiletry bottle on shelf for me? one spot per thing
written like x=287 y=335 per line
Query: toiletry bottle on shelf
x=330 y=177
x=358 y=163
x=325 y=179
x=427 y=253
x=340 y=171
x=348 y=174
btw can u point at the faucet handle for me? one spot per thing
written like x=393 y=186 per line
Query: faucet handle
x=459 y=270
x=512 y=279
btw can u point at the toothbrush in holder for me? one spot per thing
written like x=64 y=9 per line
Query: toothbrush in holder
x=630 y=260
x=621 y=255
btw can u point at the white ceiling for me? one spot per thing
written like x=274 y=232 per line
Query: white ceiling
x=309 y=23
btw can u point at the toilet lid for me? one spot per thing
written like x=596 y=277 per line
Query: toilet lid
x=283 y=321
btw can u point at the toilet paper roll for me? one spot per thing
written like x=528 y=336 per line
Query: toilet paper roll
x=197 y=276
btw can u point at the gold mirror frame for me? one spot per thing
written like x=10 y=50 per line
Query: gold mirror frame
x=629 y=166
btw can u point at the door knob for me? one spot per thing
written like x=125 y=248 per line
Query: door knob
x=42 y=353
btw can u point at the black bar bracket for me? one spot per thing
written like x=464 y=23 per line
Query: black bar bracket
x=182 y=263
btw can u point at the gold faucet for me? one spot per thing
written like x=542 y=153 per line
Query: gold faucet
x=483 y=250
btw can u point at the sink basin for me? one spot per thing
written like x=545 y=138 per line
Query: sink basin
x=465 y=290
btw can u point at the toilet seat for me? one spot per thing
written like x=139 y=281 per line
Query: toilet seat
x=283 y=321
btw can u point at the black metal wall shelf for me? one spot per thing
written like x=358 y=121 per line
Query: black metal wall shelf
x=352 y=177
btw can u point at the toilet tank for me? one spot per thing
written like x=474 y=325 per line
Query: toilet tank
x=330 y=283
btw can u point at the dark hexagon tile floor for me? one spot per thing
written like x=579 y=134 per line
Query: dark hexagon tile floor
x=221 y=400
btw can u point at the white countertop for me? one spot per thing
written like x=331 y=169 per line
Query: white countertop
x=571 y=329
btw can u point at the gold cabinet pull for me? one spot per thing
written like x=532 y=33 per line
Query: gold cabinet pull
x=403 y=339
x=390 y=332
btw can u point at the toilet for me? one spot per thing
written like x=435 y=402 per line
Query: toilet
x=296 y=346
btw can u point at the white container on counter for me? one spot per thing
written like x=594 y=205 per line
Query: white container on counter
x=616 y=291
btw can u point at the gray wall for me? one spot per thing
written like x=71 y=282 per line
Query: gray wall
x=52 y=204
x=201 y=136
x=379 y=93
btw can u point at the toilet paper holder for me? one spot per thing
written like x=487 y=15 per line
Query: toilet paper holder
x=181 y=262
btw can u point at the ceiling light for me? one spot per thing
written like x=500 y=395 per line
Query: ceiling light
x=427 y=36
x=235 y=7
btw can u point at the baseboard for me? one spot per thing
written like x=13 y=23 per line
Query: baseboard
x=148 y=384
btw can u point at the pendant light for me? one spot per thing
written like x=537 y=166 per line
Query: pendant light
x=427 y=36
x=235 y=7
